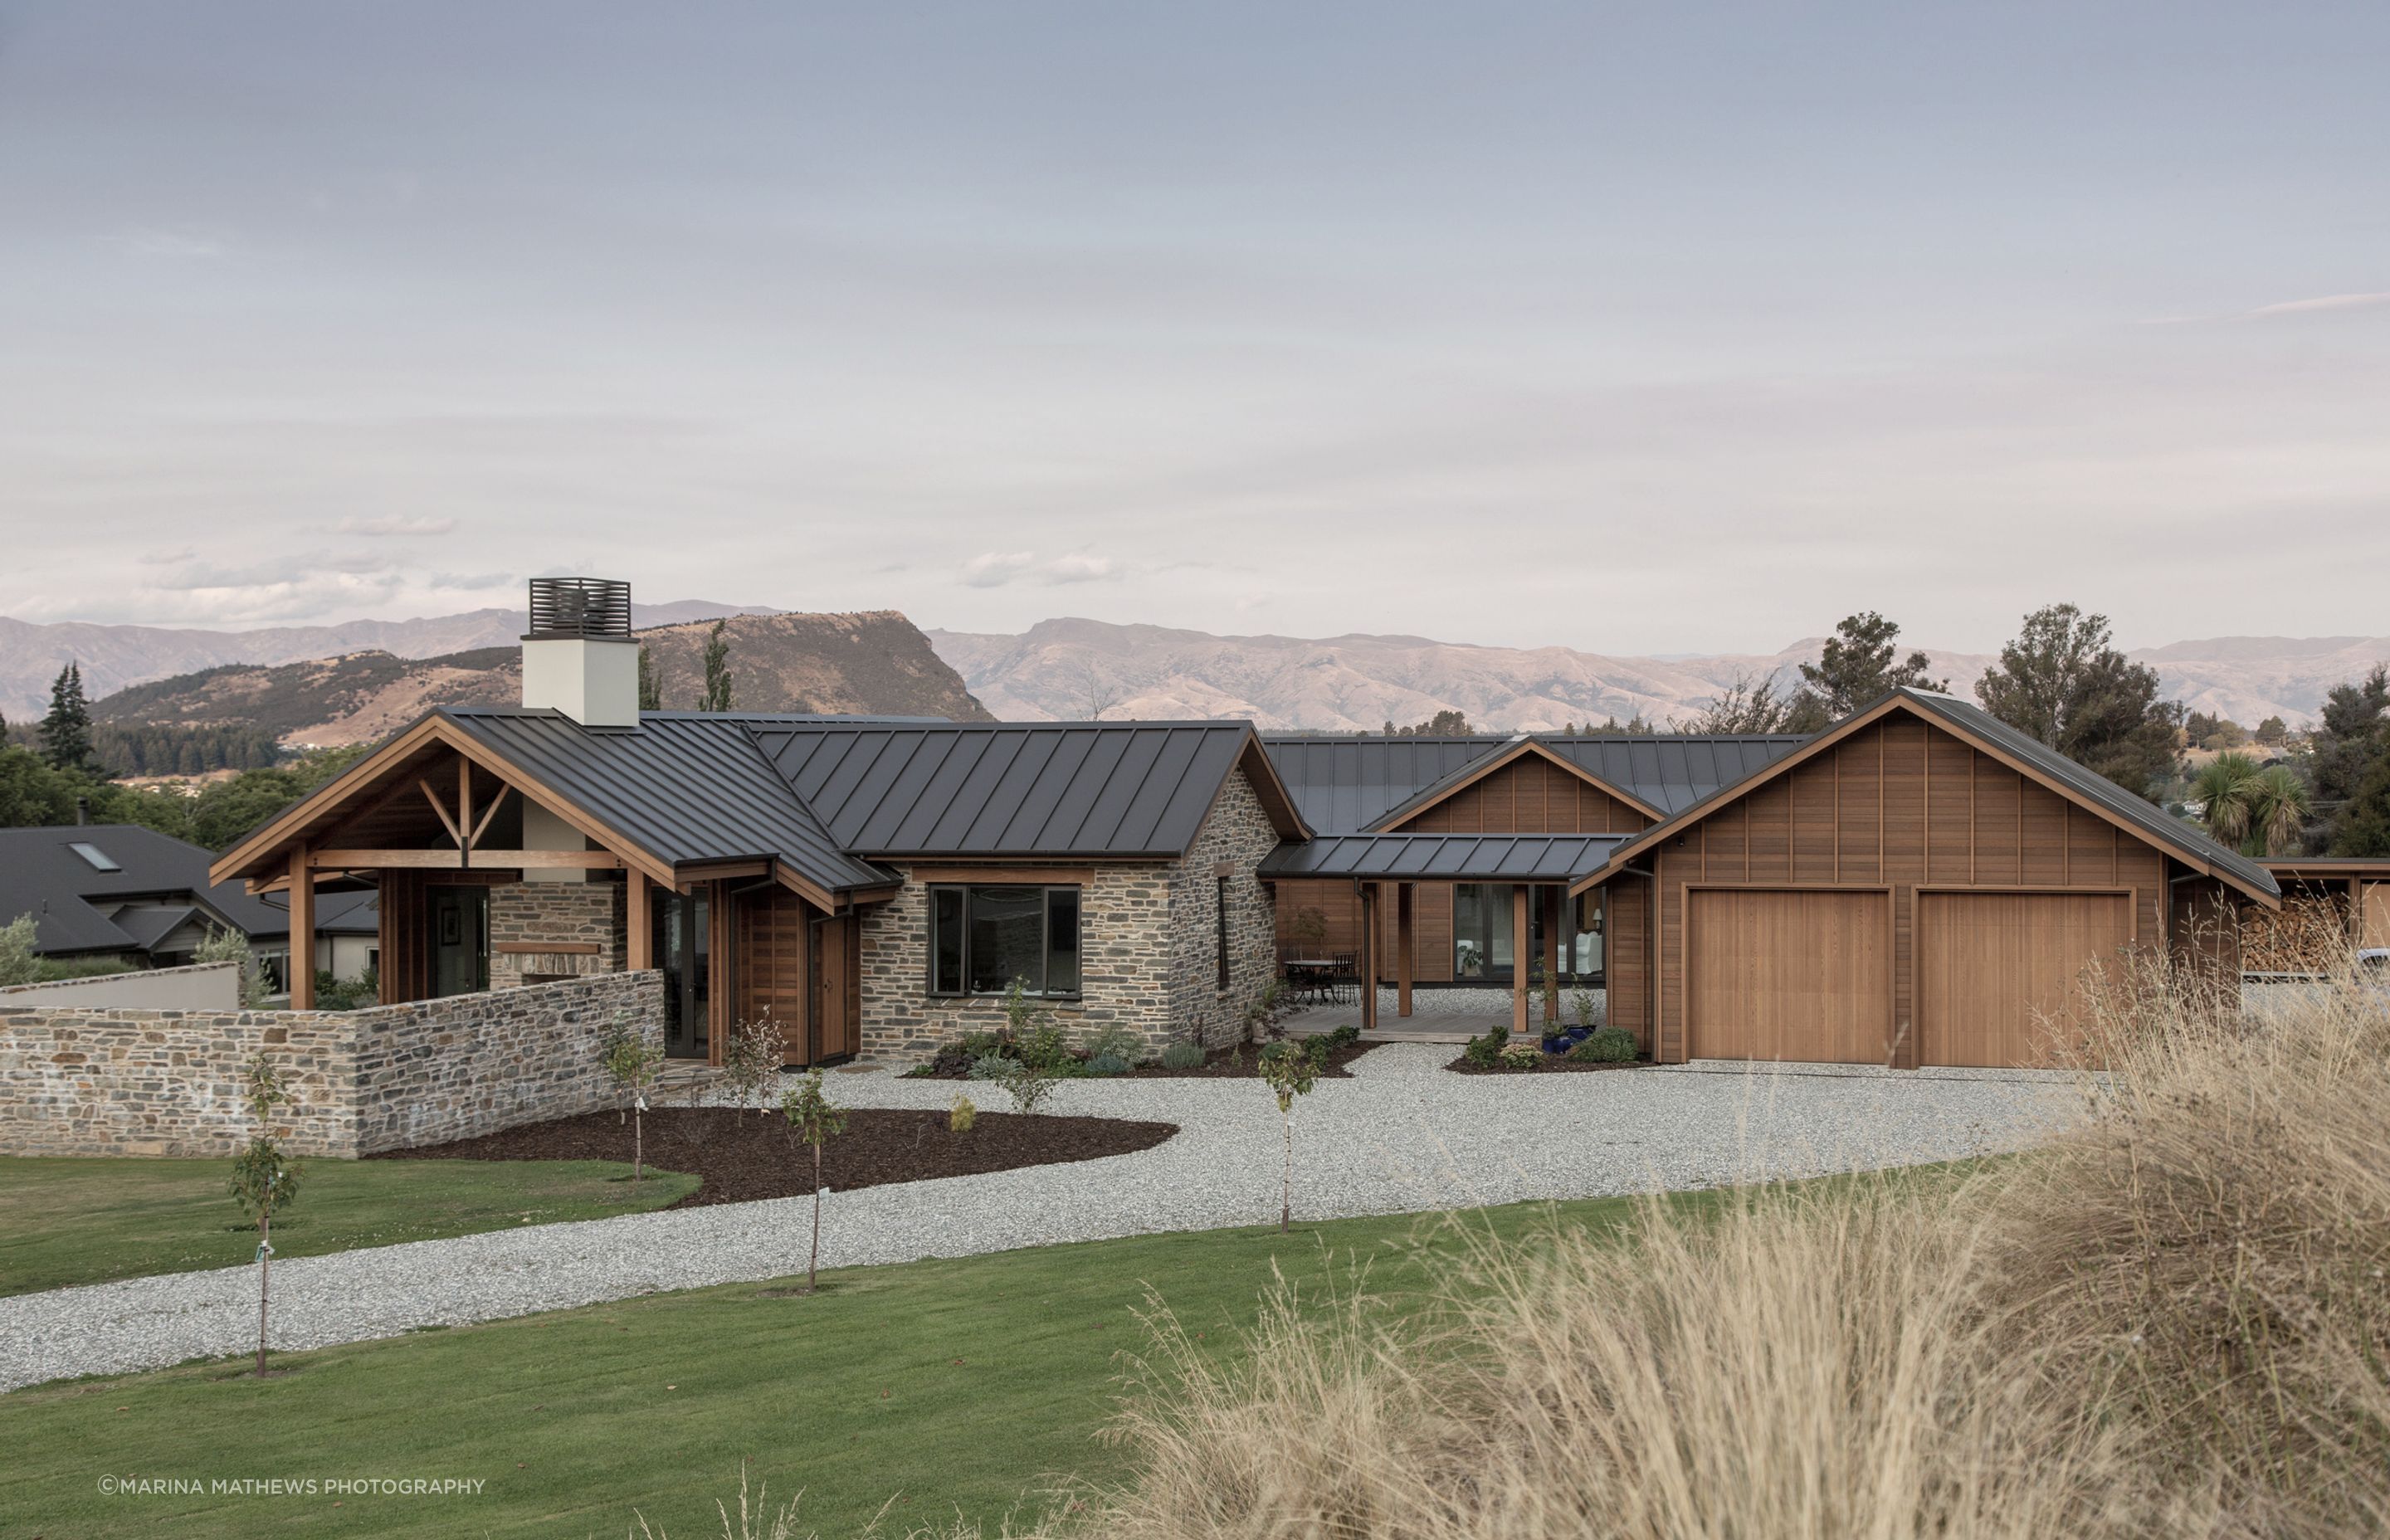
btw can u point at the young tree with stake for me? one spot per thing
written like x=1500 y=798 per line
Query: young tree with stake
x=263 y=1181
x=817 y=1119
x=1291 y=1068
x=632 y=1058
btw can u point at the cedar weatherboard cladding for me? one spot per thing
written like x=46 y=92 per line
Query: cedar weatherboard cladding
x=1049 y=791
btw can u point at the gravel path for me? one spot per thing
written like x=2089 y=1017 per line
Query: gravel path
x=1401 y=1135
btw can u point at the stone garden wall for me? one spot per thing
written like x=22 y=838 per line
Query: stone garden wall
x=100 y=1082
x=529 y=921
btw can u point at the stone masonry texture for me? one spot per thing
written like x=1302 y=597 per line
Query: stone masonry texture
x=576 y=914
x=96 y=1082
x=1146 y=937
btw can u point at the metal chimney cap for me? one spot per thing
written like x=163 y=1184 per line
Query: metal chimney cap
x=579 y=607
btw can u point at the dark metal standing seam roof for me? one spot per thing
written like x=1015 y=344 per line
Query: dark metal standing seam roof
x=40 y=875
x=1672 y=773
x=685 y=786
x=2092 y=787
x=914 y=790
x=1344 y=784
x=1445 y=857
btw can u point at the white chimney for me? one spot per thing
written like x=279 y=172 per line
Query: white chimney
x=579 y=656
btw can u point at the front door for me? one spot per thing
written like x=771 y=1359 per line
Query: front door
x=460 y=940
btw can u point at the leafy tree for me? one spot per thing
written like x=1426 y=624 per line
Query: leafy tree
x=651 y=688
x=718 y=669
x=1444 y=723
x=2363 y=827
x=264 y=1182
x=1751 y=705
x=1291 y=1070
x=66 y=731
x=2273 y=732
x=19 y=964
x=31 y=793
x=2061 y=682
x=2351 y=740
x=1857 y=666
x=816 y=1120
x=224 y=945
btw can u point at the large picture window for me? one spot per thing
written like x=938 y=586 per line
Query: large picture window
x=983 y=936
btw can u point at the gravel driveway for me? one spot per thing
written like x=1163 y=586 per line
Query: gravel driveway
x=1401 y=1135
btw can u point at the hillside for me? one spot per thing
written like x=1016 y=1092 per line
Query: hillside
x=1357 y=683
x=873 y=663
x=112 y=656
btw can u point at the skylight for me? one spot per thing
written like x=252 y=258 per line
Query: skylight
x=99 y=859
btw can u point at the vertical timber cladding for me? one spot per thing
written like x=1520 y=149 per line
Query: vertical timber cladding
x=1795 y=974
x=774 y=967
x=2373 y=914
x=1897 y=806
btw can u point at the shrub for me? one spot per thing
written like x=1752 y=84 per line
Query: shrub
x=1581 y=1002
x=1113 y=1042
x=989 y=1065
x=335 y=994
x=19 y=964
x=1609 y=1045
x=1485 y=1052
x=1182 y=1055
x=1030 y=1081
x=962 y=1115
x=1522 y=1058
x=222 y=945
x=1342 y=1036
x=750 y=1058
x=1107 y=1064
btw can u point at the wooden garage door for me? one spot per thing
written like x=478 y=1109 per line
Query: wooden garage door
x=1801 y=976
x=1999 y=975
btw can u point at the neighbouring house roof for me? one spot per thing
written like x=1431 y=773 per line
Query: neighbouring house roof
x=2028 y=754
x=1444 y=857
x=685 y=787
x=2311 y=869
x=1351 y=785
x=912 y=789
x=158 y=884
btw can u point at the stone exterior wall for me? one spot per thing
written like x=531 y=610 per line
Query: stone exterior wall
x=1145 y=942
x=577 y=914
x=99 y=1082
x=1237 y=835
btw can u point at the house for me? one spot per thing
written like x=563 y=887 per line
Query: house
x=1920 y=884
x=2329 y=902
x=123 y=893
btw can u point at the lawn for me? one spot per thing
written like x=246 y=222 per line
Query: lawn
x=940 y=1385
x=87 y=1221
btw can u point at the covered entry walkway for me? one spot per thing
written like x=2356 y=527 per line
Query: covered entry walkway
x=1387 y=870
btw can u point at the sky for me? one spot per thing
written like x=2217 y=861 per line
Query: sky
x=1629 y=329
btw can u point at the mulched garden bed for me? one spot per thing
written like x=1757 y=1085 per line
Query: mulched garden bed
x=1244 y=1063
x=1546 y=1064
x=742 y=1156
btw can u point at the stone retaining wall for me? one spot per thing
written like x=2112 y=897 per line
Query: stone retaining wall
x=100 y=1082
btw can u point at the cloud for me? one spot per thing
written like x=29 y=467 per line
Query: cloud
x=397 y=526
x=995 y=568
x=472 y=581
x=167 y=559
x=2285 y=307
x=189 y=245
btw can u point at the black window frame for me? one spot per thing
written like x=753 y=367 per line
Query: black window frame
x=1220 y=926
x=963 y=894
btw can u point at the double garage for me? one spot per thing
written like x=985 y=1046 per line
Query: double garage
x=1807 y=974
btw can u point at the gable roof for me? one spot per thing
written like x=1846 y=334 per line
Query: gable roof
x=2021 y=751
x=1344 y=784
x=159 y=882
x=1671 y=772
x=909 y=790
x=1442 y=857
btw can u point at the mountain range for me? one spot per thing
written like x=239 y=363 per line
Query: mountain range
x=338 y=684
x=114 y=656
x=876 y=662
x=1065 y=668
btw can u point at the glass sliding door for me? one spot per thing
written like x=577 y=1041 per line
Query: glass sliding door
x=1481 y=941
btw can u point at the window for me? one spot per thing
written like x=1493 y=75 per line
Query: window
x=1220 y=921
x=100 y=860
x=983 y=936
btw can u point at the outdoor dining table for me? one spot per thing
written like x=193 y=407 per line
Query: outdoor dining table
x=1309 y=975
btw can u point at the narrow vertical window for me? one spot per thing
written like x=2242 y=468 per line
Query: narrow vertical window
x=1220 y=923
x=1061 y=940
x=946 y=940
